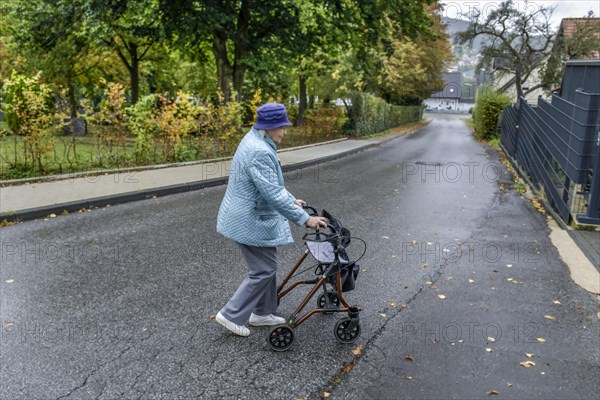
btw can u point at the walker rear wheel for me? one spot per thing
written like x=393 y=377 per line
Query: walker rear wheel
x=333 y=299
x=281 y=337
x=345 y=335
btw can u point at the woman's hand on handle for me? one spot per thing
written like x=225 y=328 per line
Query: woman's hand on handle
x=316 y=222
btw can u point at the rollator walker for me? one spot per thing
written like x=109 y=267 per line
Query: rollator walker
x=336 y=274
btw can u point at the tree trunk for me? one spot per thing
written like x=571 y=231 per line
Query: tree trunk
x=242 y=39
x=134 y=73
x=224 y=69
x=73 y=104
x=302 y=97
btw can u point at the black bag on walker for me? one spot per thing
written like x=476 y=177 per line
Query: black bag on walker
x=348 y=275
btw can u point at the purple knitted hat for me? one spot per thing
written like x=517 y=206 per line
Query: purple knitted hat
x=271 y=116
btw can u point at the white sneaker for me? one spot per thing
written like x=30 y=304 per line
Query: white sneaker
x=239 y=330
x=265 y=320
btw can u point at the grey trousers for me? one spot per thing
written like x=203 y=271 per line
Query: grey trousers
x=258 y=291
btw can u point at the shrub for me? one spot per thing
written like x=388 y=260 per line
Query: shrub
x=227 y=119
x=29 y=112
x=109 y=124
x=175 y=120
x=369 y=114
x=487 y=110
x=324 y=123
x=26 y=98
x=141 y=121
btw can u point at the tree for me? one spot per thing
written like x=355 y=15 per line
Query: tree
x=237 y=31
x=130 y=28
x=49 y=34
x=321 y=38
x=582 y=41
x=517 y=41
x=413 y=69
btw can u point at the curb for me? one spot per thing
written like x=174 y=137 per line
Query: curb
x=121 y=198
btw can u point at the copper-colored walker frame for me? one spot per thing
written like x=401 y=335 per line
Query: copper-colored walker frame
x=318 y=282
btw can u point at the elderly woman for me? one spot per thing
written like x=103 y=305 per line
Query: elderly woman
x=255 y=213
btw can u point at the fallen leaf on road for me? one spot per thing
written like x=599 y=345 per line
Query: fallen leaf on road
x=425 y=265
x=9 y=280
x=491 y=392
x=508 y=265
x=489 y=350
x=8 y=324
x=383 y=315
x=441 y=297
x=212 y=316
x=550 y=317
x=529 y=355
x=527 y=364
x=410 y=378
x=491 y=339
x=538 y=206
x=393 y=305
x=385 y=237
x=509 y=384
x=409 y=358
x=358 y=350
x=429 y=283
x=414 y=242
x=541 y=340
x=471 y=281
x=52 y=215
x=348 y=368
x=403 y=305
x=556 y=301
x=326 y=395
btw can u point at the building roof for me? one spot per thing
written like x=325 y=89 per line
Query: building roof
x=451 y=88
x=569 y=26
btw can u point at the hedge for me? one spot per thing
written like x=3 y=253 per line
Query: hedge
x=368 y=114
x=487 y=110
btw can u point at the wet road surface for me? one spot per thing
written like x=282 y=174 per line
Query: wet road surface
x=117 y=302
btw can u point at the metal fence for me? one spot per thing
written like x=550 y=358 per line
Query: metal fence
x=556 y=145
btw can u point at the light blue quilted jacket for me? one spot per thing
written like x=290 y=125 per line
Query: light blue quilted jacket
x=256 y=207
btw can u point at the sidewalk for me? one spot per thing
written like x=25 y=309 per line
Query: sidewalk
x=32 y=199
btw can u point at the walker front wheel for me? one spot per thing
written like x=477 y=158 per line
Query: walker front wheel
x=343 y=333
x=281 y=337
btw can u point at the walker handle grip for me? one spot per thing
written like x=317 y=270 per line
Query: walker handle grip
x=313 y=210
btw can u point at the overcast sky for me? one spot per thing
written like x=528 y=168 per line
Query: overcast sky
x=564 y=8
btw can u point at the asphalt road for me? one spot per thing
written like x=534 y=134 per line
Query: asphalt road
x=117 y=302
